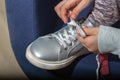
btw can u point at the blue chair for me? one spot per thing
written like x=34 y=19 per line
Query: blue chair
x=30 y=19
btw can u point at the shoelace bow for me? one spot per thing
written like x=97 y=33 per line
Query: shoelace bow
x=68 y=36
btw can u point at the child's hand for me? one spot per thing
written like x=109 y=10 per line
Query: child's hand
x=91 y=39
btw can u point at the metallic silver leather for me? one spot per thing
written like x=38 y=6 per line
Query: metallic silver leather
x=45 y=48
x=48 y=48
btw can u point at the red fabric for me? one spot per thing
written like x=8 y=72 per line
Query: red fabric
x=104 y=66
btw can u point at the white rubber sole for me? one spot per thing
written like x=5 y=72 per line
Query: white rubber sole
x=49 y=65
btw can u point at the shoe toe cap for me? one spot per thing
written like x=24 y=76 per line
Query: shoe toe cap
x=45 y=49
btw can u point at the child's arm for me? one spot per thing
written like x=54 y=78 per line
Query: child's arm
x=105 y=12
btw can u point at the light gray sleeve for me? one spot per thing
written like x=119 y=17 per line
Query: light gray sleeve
x=109 y=40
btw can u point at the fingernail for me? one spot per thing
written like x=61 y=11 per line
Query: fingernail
x=77 y=32
x=84 y=27
x=73 y=16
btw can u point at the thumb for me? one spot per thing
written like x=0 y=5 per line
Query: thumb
x=89 y=31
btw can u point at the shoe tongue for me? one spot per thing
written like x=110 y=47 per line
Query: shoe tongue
x=85 y=22
x=80 y=21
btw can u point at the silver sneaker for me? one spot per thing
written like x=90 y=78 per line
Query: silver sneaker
x=57 y=50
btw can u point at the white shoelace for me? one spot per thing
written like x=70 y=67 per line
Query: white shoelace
x=68 y=36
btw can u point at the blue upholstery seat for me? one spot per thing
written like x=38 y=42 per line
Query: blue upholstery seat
x=29 y=19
